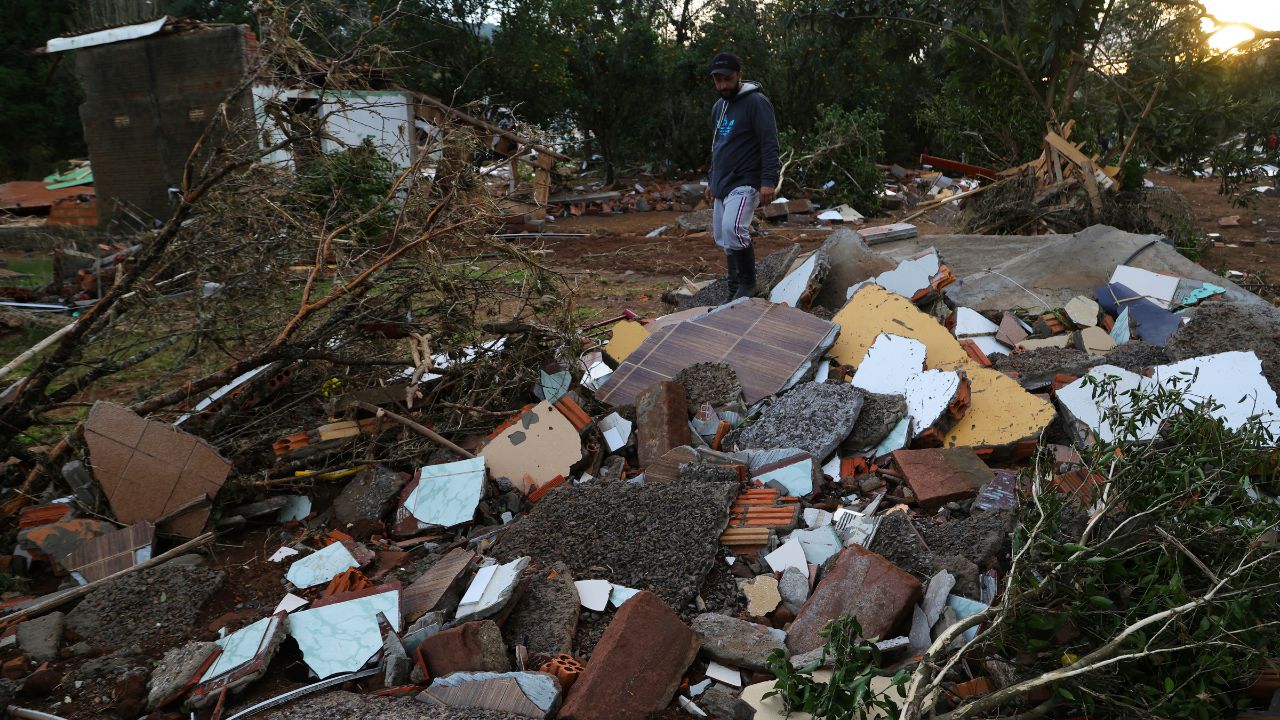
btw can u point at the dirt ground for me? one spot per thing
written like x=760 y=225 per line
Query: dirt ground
x=1256 y=240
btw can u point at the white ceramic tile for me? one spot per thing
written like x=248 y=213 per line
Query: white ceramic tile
x=928 y=393
x=616 y=430
x=724 y=674
x=970 y=323
x=1157 y=288
x=342 y=637
x=447 y=494
x=320 y=566
x=619 y=594
x=593 y=594
x=789 y=290
x=289 y=603
x=241 y=647
x=796 y=477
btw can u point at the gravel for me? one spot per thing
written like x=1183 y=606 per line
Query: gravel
x=714 y=384
x=663 y=537
x=345 y=705
x=814 y=417
x=153 y=607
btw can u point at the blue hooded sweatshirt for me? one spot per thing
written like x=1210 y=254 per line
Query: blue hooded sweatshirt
x=744 y=148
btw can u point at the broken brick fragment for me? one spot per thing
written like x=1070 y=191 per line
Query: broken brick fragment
x=859 y=583
x=637 y=665
x=938 y=476
x=662 y=420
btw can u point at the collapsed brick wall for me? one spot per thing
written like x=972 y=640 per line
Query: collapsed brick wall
x=146 y=103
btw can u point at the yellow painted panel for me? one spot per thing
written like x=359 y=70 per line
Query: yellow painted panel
x=627 y=336
x=1000 y=411
x=873 y=310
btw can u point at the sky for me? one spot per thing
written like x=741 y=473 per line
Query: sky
x=1264 y=14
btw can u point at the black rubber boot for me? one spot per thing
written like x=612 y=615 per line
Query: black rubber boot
x=731 y=259
x=746 y=272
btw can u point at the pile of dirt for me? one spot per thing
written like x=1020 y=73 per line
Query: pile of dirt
x=659 y=537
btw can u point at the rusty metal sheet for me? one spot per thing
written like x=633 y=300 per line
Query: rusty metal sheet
x=31 y=196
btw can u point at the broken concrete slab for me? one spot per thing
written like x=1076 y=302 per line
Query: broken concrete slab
x=662 y=421
x=546 y=616
x=794 y=588
x=524 y=694
x=813 y=417
x=149 y=469
x=879 y=414
x=1053 y=267
x=41 y=637
x=447 y=494
x=355 y=617
x=176 y=671
x=156 y=605
x=737 y=642
x=368 y=496
x=888 y=233
x=722 y=704
x=539 y=446
x=471 y=646
x=491 y=590
x=637 y=665
x=851 y=262
x=859 y=583
x=714 y=384
x=769 y=347
x=938 y=476
x=661 y=537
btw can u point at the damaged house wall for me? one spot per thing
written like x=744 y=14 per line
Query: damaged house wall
x=147 y=101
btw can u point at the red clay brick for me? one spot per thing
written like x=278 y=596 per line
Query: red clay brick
x=662 y=420
x=859 y=583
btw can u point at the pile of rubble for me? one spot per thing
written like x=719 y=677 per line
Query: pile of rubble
x=701 y=491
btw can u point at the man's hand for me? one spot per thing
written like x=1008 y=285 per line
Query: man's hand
x=706 y=194
x=766 y=194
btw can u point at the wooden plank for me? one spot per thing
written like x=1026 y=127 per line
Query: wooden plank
x=542 y=178
x=956 y=166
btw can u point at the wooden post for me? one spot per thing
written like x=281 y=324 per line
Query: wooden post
x=542 y=178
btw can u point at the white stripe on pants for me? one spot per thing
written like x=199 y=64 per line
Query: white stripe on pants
x=731 y=218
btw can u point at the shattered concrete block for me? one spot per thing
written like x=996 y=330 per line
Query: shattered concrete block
x=720 y=703
x=938 y=476
x=476 y=646
x=368 y=496
x=546 y=616
x=662 y=421
x=177 y=670
x=851 y=262
x=526 y=694
x=637 y=665
x=41 y=637
x=813 y=417
x=737 y=642
x=1030 y=344
x=859 y=583
x=396 y=663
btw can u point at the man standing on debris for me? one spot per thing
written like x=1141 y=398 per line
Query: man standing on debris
x=744 y=167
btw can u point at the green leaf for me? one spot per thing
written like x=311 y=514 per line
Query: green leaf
x=1065 y=693
x=1101 y=600
x=1168 y=684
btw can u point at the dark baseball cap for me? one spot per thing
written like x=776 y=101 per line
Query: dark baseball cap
x=725 y=64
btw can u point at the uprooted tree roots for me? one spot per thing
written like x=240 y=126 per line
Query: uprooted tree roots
x=1023 y=205
x=325 y=289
